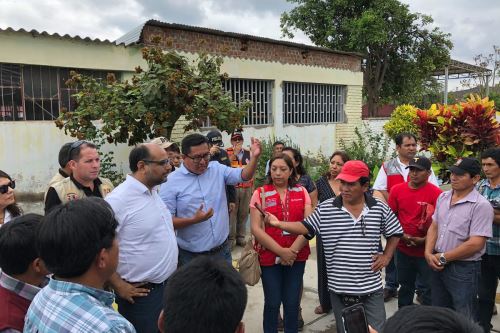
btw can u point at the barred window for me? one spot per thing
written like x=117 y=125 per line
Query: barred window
x=257 y=91
x=313 y=103
x=30 y=92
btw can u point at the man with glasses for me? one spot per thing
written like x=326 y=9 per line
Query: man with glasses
x=196 y=196
x=84 y=180
x=148 y=249
x=239 y=157
x=172 y=149
x=350 y=226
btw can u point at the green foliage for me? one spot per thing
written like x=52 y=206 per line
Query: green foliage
x=402 y=120
x=401 y=50
x=154 y=101
x=369 y=147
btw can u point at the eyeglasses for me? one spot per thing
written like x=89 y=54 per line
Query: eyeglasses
x=75 y=145
x=197 y=159
x=5 y=188
x=160 y=163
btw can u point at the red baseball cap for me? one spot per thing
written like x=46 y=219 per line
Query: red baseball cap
x=352 y=171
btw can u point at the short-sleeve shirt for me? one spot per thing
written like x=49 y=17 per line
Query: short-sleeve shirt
x=408 y=204
x=307 y=182
x=349 y=245
x=470 y=216
x=184 y=192
x=493 y=196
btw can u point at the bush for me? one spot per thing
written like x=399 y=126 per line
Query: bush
x=402 y=120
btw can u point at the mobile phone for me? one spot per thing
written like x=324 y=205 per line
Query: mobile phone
x=259 y=208
x=354 y=319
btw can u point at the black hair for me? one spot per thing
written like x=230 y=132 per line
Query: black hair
x=17 y=244
x=398 y=140
x=137 y=154
x=292 y=180
x=205 y=296
x=364 y=180
x=298 y=158
x=343 y=155
x=493 y=153
x=14 y=208
x=192 y=140
x=74 y=153
x=427 y=319
x=174 y=147
x=278 y=143
x=72 y=235
x=64 y=154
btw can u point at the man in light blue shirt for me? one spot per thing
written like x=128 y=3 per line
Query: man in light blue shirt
x=195 y=194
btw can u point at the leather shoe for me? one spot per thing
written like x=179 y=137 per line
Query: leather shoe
x=389 y=293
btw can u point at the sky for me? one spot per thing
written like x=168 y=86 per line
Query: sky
x=474 y=25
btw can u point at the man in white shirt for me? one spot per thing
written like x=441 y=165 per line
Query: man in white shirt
x=148 y=247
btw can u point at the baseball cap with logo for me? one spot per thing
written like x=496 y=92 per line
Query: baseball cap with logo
x=237 y=135
x=420 y=162
x=162 y=142
x=466 y=165
x=353 y=170
x=215 y=138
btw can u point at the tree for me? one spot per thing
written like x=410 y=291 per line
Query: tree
x=479 y=79
x=154 y=101
x=401 y=52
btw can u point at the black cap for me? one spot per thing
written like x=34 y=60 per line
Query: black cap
x=466 y=165
x=420 y=162
x=215 y=138
x=64 y=157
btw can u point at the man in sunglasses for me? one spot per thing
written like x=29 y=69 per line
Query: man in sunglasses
x=196 y=196
x=84 y=180
x=148 y=249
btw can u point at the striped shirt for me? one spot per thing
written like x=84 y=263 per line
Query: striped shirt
x=70 y=307
x=349 y=245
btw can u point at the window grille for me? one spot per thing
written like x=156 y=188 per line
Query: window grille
x=313 y=103
x=29 y=92
x=259 y=92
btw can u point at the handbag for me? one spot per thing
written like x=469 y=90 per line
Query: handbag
x=248 y=264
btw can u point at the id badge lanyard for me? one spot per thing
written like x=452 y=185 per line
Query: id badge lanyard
x=285 y=208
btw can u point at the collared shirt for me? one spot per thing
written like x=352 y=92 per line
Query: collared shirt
x=25 y=290
x=52 y=198
x=493 y=196
x=349 y=243
x=185 y=192
x=381 y=180
x=71 y=307
x=148 y=249
x=470 y=216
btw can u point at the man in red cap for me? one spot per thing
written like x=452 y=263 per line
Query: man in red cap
x=350 y=226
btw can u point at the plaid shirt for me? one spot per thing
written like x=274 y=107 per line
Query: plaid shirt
x=71 y=307
x=492 y=195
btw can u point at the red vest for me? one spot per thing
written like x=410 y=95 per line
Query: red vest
x=393 y=171
x=13 y=309
x=296 y=203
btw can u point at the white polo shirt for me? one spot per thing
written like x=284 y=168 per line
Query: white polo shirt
x=148 y=247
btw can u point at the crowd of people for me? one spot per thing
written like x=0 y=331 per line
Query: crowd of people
x=159 y=244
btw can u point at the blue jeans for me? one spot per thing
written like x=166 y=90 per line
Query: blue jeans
x=282 y=284
x=490 y=273
x=143 y=314
x=409 y=267
x=391 y=276
x=374 y=308
x=225 y=254
x=456 y=287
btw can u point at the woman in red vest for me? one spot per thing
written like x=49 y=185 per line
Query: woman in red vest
x=282 y=255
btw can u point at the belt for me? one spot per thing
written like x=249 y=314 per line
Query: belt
x=150 y=285
x=216 y=249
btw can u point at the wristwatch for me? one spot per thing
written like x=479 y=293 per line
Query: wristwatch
x=442 y=259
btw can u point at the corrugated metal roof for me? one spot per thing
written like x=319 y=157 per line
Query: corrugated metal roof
x=135 y=36
x=34 y=32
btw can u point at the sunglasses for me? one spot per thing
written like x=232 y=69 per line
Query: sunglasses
x=5 y=188
x=160 y=163
x=75 y=145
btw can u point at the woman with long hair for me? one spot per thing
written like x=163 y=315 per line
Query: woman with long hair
x=282 y=255
x=8 y=206
x=302 y=177
x=328 y=187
